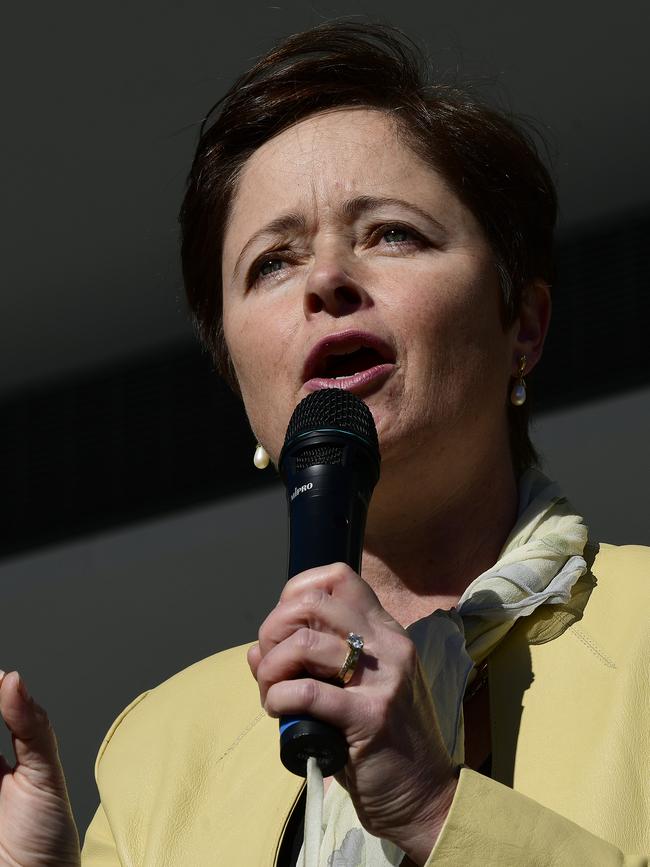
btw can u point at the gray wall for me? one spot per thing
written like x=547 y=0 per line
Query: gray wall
x=93 y=623
x=600 y=453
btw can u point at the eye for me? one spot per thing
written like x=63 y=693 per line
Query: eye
x=265 y=268
x=268 y=266
x=397 y=235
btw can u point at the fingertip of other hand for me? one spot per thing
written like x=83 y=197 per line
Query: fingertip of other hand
x=16 y=682
x=11 y=677
x=13 y=685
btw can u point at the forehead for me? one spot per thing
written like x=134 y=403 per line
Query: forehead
x=328 y=141
x=324 y=159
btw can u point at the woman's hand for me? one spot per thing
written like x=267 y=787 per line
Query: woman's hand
x=399 y=774
x=37 y=828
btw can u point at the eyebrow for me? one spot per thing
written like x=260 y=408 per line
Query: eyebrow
x=351 y=210
x=282 y=225
x=362 y=204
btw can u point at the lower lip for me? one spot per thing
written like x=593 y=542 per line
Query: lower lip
x=363 y=383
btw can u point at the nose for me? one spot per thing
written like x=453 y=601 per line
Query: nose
x=331 y=288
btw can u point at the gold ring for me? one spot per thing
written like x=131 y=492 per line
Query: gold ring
x=355 y=646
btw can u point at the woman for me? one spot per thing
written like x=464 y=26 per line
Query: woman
x=394 y=239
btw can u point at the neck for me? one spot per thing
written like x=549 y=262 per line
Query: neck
x=425 y=556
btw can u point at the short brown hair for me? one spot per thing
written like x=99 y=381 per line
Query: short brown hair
x=488 y=160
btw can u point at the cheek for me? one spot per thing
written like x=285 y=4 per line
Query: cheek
x=258 y=353
x=462 y=346
x=244 y=344
x=452 y=315
x=250 y=334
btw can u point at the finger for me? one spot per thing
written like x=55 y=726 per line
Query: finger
x=317 y=653
x=335 y=579
x=254 y=656
x=324 y=701
x=35 y=745
x=315 y=609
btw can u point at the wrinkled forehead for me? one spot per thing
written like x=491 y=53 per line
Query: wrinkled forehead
x=319 y=162
x=330 y=141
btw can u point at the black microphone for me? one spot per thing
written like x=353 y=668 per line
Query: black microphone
x=330 y=465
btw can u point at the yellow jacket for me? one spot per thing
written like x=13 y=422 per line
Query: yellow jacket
x=189 y=772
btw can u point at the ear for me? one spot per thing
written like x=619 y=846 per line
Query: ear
x=531 y=326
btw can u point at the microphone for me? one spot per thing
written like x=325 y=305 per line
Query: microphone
x=330 y=465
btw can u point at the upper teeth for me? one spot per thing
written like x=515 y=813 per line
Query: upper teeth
x=345 y=376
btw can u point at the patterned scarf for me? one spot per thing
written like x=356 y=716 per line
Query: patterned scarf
x=539 y=564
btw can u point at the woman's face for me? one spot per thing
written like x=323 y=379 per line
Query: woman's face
x=348 y=256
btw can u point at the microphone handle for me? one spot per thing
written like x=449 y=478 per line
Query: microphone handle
x=326 y=525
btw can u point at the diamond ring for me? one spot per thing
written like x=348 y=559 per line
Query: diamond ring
x=355 y=646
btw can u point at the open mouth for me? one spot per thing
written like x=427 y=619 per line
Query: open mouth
x=336 y=366
x=353 y=360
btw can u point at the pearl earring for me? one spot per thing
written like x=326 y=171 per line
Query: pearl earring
x=261 y=458
x=518 y=393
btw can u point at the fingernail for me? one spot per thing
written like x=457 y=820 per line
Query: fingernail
x=2 y=674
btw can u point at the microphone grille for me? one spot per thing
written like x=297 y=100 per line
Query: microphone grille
x=333 y=408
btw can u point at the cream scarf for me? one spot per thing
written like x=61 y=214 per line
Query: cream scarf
x=539 y=564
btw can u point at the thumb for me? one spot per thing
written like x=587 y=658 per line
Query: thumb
x=35 y=745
